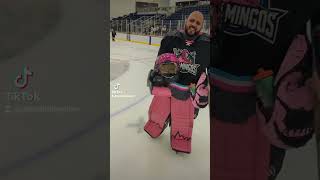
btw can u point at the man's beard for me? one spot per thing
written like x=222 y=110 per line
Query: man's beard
x=187 y=32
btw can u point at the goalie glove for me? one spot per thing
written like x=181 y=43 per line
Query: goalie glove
x=200 y=92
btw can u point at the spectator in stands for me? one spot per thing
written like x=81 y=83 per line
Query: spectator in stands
x=158 y=30
x=154 y=30
x=164 y=30
x=151 y=30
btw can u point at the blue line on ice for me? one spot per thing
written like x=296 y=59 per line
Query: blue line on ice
x=128 y=106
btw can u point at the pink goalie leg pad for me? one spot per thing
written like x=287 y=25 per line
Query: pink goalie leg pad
x=182 y=113
x=159 y=111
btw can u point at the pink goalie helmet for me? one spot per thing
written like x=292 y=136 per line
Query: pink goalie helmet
x=167 y=65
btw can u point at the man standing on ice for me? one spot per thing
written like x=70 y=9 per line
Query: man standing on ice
x=179 y=82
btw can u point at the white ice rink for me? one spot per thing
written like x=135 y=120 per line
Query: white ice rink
x=136 y=156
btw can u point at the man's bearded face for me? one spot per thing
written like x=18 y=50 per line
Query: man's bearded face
x=194 y=24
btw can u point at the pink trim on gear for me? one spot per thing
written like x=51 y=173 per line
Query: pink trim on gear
x=161 y=91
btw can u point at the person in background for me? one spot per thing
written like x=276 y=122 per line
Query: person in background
x=164 y=30
x=114 y=33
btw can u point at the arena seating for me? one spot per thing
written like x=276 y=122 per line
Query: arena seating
x=178 y=15
x=172 y=21
x=182 y=13
x=133 y=16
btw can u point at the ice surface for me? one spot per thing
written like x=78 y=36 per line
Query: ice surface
x=136 y=156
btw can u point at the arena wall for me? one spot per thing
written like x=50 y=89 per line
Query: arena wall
x=155 y=41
